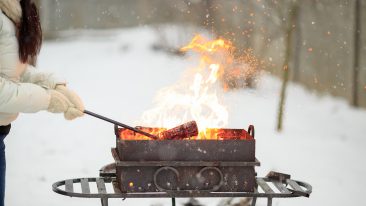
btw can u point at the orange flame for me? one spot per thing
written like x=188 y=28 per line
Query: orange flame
x=196 y=98
x=202 y=45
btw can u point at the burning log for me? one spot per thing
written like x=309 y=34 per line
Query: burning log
x=183 y=131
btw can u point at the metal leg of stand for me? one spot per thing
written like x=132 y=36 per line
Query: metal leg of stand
x=269 y=202
x=104 y=201
x=173 y=201
x=254 y=201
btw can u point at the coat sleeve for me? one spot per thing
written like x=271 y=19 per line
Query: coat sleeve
x=22 y=97
x=46 y=80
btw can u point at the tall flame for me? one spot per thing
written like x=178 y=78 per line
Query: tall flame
x=198 y=97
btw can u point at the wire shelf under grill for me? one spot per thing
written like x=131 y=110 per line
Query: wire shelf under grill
x=97 y=188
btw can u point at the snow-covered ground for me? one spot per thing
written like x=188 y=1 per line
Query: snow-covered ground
x=118 y=74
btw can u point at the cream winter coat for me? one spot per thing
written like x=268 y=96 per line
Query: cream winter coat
x=22 y=88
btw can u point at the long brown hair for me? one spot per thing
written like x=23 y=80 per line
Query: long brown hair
x=29 y=32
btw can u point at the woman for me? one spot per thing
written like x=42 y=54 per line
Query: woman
x=22 y=88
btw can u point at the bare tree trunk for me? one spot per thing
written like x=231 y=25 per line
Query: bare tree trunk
x=356 y=54
x=298 y=42
x=292 y=16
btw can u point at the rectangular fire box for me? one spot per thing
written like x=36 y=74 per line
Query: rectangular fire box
x=223 y=164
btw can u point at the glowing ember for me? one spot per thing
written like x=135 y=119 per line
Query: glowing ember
x=197 y=97
x=207 y=134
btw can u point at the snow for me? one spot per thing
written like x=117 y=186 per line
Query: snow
x=118 y=74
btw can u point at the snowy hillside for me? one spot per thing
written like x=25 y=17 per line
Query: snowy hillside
x=117 y=74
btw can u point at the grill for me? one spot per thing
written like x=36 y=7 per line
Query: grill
x=186 y=165
x=221 y=166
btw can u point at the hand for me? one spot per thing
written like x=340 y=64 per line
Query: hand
x=78 y=109
x=71 y=96
x=73 y=113
x=59 y=103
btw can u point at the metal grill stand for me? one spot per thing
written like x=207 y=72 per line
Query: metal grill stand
x=184 y=171
x=275 y=185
